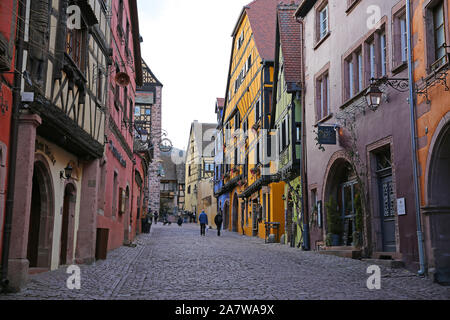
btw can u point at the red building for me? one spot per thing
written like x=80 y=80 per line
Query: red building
x=115 y=214
x=8 y=10
x=139 y=203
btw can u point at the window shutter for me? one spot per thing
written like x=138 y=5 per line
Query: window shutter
x=121 y=201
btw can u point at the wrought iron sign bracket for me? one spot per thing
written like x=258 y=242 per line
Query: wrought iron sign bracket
x=438 y=77
x=399 y=84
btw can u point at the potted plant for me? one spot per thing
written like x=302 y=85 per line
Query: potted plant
x=334 y=222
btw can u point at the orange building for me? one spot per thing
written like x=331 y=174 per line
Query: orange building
x=255 y=197
x=431 y=33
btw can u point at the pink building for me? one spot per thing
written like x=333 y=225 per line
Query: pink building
x=115 y=218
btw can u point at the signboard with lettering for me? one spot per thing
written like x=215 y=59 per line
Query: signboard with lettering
x=401 y=207
x=145 y=98
x=327 y=135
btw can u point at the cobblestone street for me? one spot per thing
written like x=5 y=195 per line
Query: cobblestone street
x=176 y=263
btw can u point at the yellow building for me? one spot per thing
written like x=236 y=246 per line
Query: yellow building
x=254 y=199
x=199 y=193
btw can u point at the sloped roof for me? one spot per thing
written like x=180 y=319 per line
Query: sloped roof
x=262 y=17
x=304 y=7
x=290 y=42
x=149 y=79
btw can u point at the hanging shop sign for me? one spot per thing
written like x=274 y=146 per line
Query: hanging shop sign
x=327 y=135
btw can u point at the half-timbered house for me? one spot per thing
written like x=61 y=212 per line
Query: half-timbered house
x=61 y=140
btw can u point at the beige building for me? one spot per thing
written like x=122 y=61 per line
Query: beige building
x=200 y=170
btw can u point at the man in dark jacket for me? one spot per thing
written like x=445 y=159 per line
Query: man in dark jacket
x=218 y=221
x=203 y=219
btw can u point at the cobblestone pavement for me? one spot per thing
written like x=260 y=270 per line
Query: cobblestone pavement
x=176 y=263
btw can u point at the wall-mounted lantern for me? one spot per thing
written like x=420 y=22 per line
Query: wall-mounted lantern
x=373 y=97
x=66 y=174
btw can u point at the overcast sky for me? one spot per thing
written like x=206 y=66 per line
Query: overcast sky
x=187 y=44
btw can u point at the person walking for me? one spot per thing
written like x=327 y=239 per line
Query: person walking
x=155 y=215
x=180 y=221
x=148 y=223
x=203 y=219
x=218 y=221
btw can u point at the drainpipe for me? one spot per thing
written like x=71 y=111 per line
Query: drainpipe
x=422 y=270
x=4 y=282
x=303 y=162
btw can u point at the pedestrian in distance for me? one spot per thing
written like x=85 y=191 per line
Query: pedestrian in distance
x=203 y=219
x=155 y=215
x=180 y=221
x=148 y=224
x=218 y=221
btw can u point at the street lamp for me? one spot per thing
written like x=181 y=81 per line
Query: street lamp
x=66 y=174
x=373 y=96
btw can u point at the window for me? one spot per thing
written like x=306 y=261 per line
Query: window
x=354 y=74
x=125 y=106
x=316 y=209
x=237 y=121
x=117 y=96
x=298 y=132
x=137 y=111
x=130 y=112
x=100 y=84
x=120 y=13
x=400 y=39
x=383 y=47
x=439 y=31
x=115 y=194
x=240 y=40
x=148 y=111
x=258 y=152
x=76 y=46
x=258 y=111
x=245 y=126
x=127 y=37
x=372 y=60
x=351 y=80
x=323 y=22
x=322 y=96
x=360 y=72
x=403 y=39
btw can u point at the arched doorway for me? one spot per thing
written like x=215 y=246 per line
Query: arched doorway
x=67 y=227
x=438 y=209
x=235 y=213
x=40 y=230
x=226 y=215
x=340 y=192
